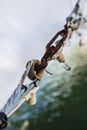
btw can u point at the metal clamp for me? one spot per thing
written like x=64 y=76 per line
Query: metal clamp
x=30 y=95
x=32 y=74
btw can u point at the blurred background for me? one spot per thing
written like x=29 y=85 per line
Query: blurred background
x=25 y=28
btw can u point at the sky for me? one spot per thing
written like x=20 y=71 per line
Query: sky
x=26 y=26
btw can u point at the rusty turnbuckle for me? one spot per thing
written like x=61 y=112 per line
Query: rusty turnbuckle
x=54 y=49
x=52 y=52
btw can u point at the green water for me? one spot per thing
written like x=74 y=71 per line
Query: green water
x=61 y=103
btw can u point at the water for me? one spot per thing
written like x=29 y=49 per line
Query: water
x=61 y=101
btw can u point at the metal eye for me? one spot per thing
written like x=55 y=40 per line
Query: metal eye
x=3 y=120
